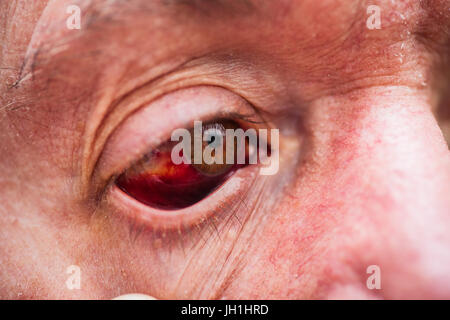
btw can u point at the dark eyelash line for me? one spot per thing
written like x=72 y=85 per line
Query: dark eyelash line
x=245 y=118
x=206 y=234
x=200 y=232
x=230 y=213
x=237 y=264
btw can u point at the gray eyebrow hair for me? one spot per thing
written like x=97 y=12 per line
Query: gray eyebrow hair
x=97 y=13
x=216 y=6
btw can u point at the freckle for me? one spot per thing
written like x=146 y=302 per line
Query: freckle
x=80 y=126
x=157 y=243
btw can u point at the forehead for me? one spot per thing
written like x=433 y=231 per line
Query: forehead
x=298 y=34
x=307 y=22
x=279 y=24
x=312 y=18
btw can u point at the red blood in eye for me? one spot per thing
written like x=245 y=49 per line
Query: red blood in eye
x=170 y=186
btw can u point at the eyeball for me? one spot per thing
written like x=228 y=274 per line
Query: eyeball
x=160 y=183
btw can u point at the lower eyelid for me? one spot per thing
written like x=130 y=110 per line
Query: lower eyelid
x=162 y=220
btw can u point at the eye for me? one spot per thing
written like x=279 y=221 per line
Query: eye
x=158 y=182
x=135 y=178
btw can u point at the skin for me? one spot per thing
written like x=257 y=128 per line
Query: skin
x=364 y=165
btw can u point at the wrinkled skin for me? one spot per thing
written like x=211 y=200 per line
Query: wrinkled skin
x=364 y=168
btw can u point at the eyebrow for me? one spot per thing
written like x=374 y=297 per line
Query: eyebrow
x=211 y=7
x=100 y=13
x=98 y=10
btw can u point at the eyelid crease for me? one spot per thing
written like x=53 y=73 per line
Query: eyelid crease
x=185 y=74
x=93 y=128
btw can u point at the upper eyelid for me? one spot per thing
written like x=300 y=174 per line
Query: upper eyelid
x=232 y=116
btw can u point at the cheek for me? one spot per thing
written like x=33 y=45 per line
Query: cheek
x=370 y=184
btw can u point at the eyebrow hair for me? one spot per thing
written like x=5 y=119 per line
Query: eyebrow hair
x=97 y=11
x=215 y=6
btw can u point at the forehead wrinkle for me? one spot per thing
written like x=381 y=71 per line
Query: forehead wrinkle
x=100 y=14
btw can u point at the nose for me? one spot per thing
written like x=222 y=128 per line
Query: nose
x=372 y=194
x=392 y=170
